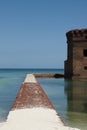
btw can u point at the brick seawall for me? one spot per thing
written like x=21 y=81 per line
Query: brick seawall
x=31 y=95
x=32 y=110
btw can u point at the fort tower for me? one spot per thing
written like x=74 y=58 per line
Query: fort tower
x=76 y=63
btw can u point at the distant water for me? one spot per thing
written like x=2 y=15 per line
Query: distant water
x=68 y=97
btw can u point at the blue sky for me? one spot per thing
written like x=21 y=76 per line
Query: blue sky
x=33 y=32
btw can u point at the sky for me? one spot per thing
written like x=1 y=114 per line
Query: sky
x=33 y=32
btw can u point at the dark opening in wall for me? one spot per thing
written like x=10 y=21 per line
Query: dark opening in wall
x=85 y=52
x=85 y=31
x=85 y=37
x=85 y=67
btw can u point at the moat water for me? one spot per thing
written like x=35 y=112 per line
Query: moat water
x=68 y=97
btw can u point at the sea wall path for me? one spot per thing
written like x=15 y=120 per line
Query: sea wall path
x=32 y=110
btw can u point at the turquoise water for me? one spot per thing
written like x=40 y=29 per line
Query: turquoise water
x=68 y=97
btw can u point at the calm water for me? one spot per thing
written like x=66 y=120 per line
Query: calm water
x=68 y=97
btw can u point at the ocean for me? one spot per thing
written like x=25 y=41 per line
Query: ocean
x=68 y=97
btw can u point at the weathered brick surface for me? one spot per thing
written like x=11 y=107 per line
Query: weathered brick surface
x=76 y=63
x=31 y=95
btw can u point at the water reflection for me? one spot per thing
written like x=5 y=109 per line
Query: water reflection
x=76 y=93
x=76 y=96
